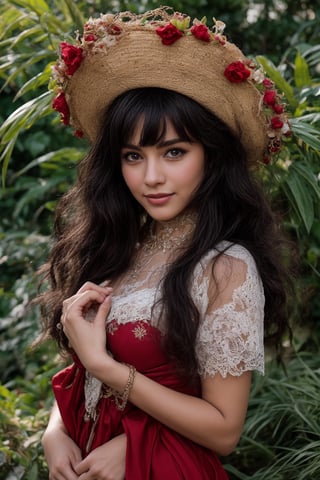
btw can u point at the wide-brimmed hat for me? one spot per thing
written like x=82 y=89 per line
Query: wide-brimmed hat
x=161 y=48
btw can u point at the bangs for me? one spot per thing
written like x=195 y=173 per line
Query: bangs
x=150 y=110
x=154 y=120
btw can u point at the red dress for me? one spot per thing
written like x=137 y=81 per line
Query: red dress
x=154 y=451
x=229 y=341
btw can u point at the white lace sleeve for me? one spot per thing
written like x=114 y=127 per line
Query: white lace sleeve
x=230 y=334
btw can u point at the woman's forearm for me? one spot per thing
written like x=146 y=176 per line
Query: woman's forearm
x=55 y=420
x=195 y=418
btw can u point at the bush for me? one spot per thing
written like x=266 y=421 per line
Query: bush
x=281 y=437
x=24 y=411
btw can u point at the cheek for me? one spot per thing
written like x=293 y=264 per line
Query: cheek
x=128 y=176
x=193 y=175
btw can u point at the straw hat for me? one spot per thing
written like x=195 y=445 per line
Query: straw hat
x=120 y=52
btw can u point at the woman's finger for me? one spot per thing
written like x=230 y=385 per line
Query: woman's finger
x=93 y=286
x=76 y=305
x=103 y=311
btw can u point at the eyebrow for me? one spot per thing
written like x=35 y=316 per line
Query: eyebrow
x=166 y=143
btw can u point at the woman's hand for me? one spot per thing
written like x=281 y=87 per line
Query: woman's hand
x=83 y=322
x=62 y=455
x=107 y=462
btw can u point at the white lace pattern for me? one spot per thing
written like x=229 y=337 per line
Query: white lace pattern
x=230 y=334
x=230 y=337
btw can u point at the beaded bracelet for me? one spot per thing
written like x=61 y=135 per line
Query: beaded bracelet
x=122 y=399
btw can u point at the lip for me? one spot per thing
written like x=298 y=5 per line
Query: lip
x=158 y=198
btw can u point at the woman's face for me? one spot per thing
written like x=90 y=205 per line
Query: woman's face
x=163 y=177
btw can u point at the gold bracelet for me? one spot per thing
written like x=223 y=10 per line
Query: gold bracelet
x=121 y=400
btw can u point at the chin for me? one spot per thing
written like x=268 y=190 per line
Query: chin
x=164 y=217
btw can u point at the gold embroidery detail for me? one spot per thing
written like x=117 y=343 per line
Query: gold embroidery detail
x=112 y=327
x=139 y=331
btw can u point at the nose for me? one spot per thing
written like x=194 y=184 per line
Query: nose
x=154 y=173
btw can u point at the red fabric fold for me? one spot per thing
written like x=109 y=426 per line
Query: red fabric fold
x=154 y=451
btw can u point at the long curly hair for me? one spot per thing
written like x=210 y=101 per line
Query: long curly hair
x=98 y=223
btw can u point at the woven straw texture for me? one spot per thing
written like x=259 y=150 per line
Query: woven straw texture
x=189 y=66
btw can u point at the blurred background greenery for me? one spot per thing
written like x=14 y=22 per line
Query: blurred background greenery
x=281 y=439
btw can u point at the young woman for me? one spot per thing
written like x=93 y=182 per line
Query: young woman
x=164 y=274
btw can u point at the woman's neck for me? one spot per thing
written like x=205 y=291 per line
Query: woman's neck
x=171 y=234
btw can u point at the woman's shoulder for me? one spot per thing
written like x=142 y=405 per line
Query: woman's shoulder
x=224 y=273
x=226 y=256
x=230 y=297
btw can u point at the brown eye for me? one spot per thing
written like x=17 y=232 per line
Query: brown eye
x=131 y=157
x=175 y=153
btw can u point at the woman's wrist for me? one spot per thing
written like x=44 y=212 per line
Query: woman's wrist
x=118 y=377
x=102 y=367
x=121 y=399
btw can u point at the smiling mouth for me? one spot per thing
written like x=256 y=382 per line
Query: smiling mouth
x=159 y=195
x=158 y=198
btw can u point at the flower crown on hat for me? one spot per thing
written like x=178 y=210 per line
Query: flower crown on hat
x=104 y=33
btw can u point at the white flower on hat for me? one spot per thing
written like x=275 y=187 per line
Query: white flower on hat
x=258 y=76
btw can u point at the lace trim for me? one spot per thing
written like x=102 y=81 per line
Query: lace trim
x=92 y=393
x=137 y=306
x=231 y=338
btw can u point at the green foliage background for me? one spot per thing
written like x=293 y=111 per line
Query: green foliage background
x=281 y=438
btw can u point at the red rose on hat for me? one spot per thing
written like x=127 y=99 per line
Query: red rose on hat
x=276 y=122
x=60 y=104
x=72 y=57
x=269 y=97
x=201 y=32
x=268 y=83
x=278 y=109
x=237 y=72
x=169 y=34
x=90 y=37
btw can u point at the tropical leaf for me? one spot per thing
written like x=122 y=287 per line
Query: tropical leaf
x=311 y=180
x=35 y=82
x=301 y=198
x=313 y=117
x=36 y=32
x=10 y=20
x=312 y=55
x=71 y=155
x=30 y=60
x=6 y=155
x=37 y=6
x=25 y=116
x=21 y=119
x=301 y=72
x=308 y=134
x=313 y=92
x=76 y=15
x=38 y=191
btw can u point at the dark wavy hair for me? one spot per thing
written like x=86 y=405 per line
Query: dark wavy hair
x=99 y=222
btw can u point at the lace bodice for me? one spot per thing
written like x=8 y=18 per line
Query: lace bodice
x=230 y=334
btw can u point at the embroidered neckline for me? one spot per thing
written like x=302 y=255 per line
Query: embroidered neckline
x=164 y=239
x=167 y=236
